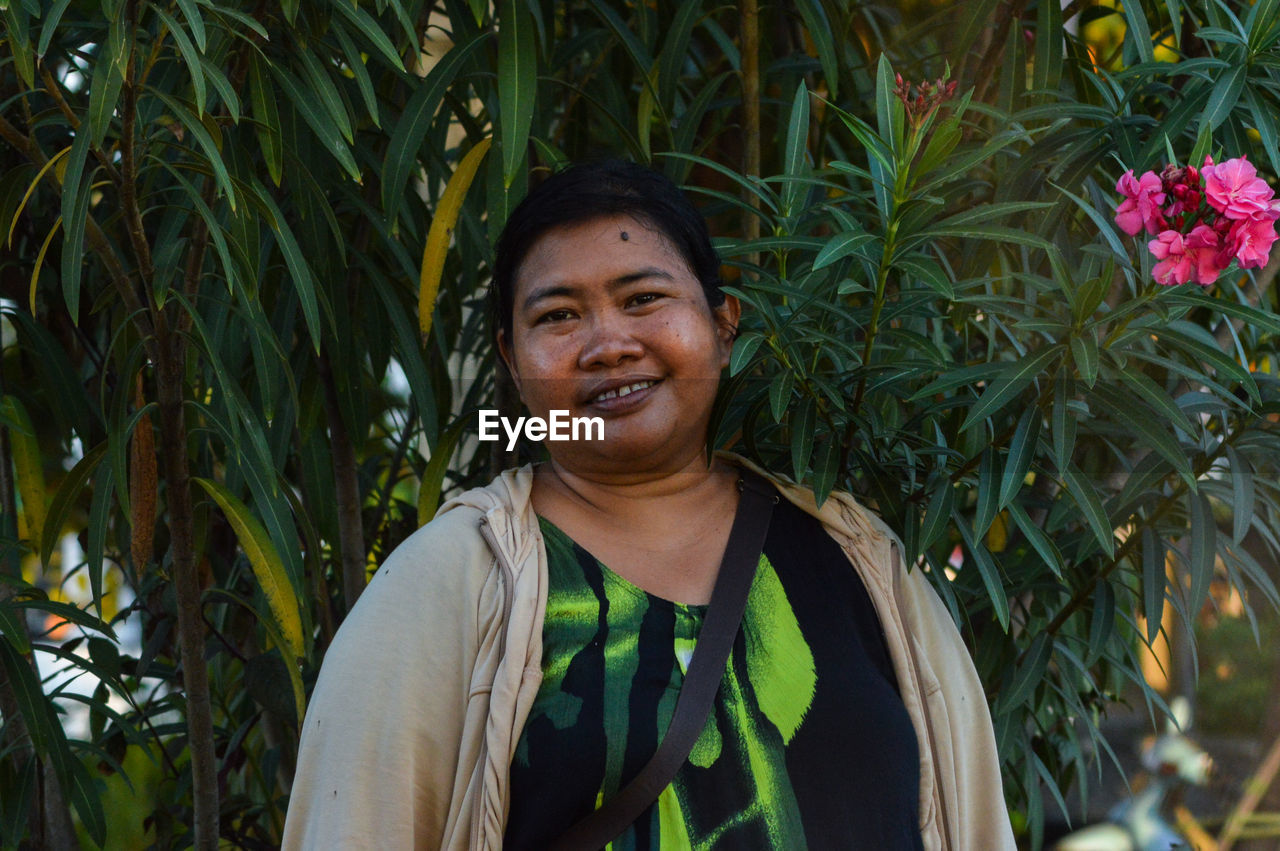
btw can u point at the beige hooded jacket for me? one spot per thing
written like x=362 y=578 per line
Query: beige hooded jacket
x=411 y=730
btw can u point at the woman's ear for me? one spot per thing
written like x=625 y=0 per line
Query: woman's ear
x=727 y=317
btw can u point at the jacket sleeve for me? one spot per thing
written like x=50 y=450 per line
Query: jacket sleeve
x=382 y=761
x=973 y=809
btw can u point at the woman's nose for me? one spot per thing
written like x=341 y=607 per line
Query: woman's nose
x=610 y=341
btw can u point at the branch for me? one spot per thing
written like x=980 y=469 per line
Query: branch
x=347 y=489
x=128 y=161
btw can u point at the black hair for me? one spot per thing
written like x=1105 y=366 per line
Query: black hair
x=589 y=191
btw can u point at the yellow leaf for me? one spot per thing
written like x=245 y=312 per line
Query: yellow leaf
x=28 y=468
x=442 y=224
x=35 y=272
x=998 y=534
x=268 y=568
x=57 y=160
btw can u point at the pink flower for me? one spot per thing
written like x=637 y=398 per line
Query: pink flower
x=1190 y=258
x=1250 y=241
x=1235 y=190
x=1141 y=206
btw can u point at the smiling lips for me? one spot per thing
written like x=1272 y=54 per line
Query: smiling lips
x=623 y=391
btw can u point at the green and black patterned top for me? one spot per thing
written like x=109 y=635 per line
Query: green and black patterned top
x=808 y=746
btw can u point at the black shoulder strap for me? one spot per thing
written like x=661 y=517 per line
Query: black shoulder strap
x=702 y=681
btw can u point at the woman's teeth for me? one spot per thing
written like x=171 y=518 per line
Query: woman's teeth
x=623 y=391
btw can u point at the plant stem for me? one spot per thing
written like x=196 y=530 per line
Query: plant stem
x=195 y=675
x=346 y=489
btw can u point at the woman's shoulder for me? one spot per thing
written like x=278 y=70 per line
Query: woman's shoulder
x=840 y=511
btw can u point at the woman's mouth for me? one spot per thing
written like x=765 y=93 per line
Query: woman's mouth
x=620 y=398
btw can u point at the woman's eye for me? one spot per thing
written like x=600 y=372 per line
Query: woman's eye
x=554 y=316
x=645 y=298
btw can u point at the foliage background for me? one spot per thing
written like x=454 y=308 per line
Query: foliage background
x=219 y=415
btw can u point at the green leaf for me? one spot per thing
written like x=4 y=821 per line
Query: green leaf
x=743 y=350
x=1049 y=37
x=267 y=128
x=1029 y=674
x=18 y=42
x=780 y=393
x=921 y=268
x=1013 y=380
x=942 y=142
x=1102 y=624
x=189 y=55
x=1064 y=425
x=1264 y=121
x=299 y=269
x=1226 y=93
x=1021 y=450
x=820 y=30
x=371 y=31
x=889 y=111
x=980 y=558
x=13 y=628
x=75 y=210
x=201 y=133
x=1040 y=542
x=1243 y=494
x=218 y=79
x=267 y=566
x=938 y=514
x=991 y=233
x=364 y=83
x=1138 y=32
x=1155 y=396
x=194 y=20
x=802 y=428
x=795 y=161
x=50 y=26
x=314 y=114
x=66 y=611
x=1086 y=498
x=1204 y=539
x=517 y=85
x=841 y=246
x=1153 y=582
x=826 y=468
x=1084 y=351
x=674 y=54
x=1105 y=226
x=99 y=518
x=414 y=122
x=634 y=47
x=324 y=93
x=988 y=494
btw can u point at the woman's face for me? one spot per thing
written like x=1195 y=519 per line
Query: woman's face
x=610 y=322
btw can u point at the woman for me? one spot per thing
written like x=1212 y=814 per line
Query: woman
x=515 y=662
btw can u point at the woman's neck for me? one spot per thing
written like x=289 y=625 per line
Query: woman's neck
x=682 y=488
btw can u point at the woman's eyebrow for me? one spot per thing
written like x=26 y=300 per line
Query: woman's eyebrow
x=556 y=290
